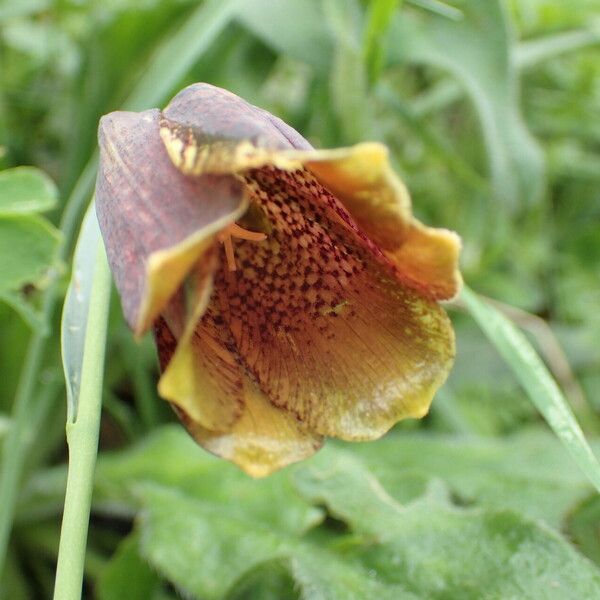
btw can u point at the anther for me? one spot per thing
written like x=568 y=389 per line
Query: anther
x=235 y=231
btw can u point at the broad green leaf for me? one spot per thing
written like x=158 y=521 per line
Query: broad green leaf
x=222 y=546
x=351 y=492
x=533 y=375
x=529 y=473
x=127 y=575
x=28 y=245
x=270 y=581
x=477 y=51
x=441 y=551
x=584 y=527
x=214 y=533
x=171 y=458
x=25 y=190
x=76 y=308
x=211 y=530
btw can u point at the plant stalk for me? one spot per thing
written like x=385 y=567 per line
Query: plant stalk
x=82 y=439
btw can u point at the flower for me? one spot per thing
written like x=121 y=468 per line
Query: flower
x=291 y=292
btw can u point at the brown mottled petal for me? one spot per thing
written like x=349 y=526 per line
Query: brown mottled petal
x=209 y=130
x=261 y=438
x=321 y=322
x=156 y=222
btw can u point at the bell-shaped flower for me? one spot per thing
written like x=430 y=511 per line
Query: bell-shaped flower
x=291 y=292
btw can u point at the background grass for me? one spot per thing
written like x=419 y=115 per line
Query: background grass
x=490 y=109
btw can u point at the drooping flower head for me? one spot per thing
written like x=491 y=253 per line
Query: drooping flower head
x=291 y=292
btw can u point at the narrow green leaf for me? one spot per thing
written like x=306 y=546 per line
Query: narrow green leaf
x=440 y=8
x=76 y=308
x=26 y=190
x=177 y=54
x=434 y=142
x=348 y=80
x=82 y=438
x=477 y=50
x=379 y=16
x=533 y=375
x=532 y=52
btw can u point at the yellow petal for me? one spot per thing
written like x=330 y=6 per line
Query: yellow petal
x=200 y=376
x=261 y=438
x=363 y=180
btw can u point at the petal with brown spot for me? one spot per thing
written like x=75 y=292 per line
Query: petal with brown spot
x=363 y=180
x=209 y=130
x=322 y=323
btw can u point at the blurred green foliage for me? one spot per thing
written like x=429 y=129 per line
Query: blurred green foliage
x=490 y=110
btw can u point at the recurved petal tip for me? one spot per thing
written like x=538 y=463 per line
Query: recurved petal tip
x=361 y=177
x=217 y=115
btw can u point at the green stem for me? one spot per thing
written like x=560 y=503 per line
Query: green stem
x=82 y=438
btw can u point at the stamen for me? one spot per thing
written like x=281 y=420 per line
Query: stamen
x=234 y=230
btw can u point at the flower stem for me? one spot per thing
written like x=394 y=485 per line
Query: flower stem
x=82 y=438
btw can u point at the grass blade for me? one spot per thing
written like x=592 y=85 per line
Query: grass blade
x=533 y=375
x=531 y=53
x=177 y=54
